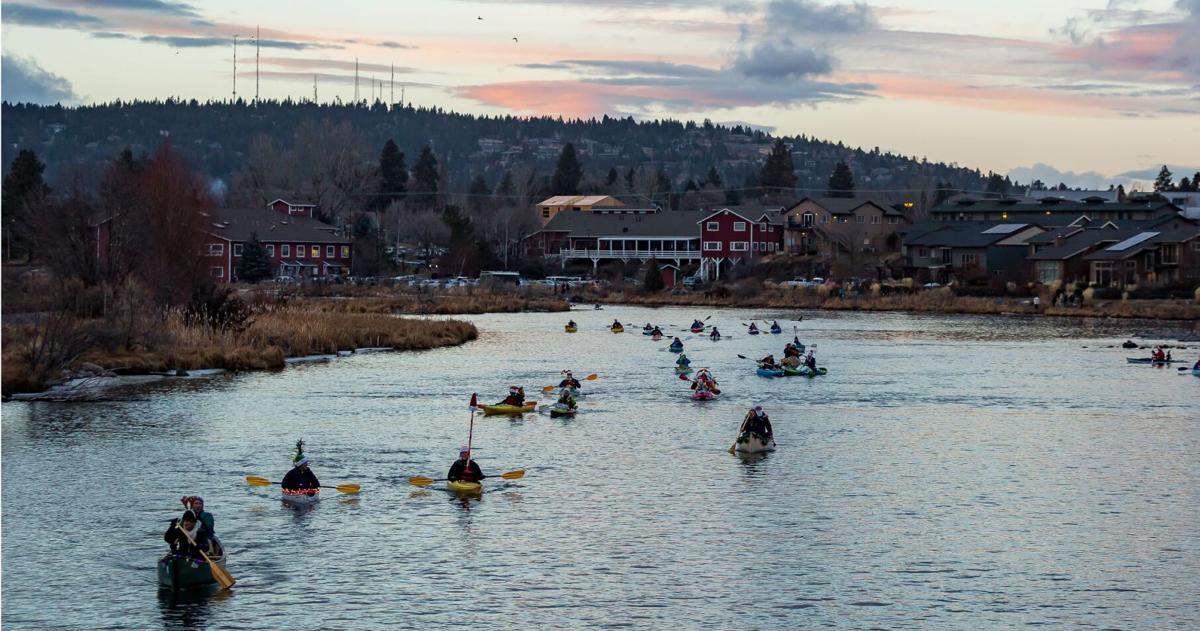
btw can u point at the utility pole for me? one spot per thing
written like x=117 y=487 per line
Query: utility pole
x=235 y=68
x=314 y=88
x=356 y=80
x=257 y=38
x=392 y=97
x=401 y=95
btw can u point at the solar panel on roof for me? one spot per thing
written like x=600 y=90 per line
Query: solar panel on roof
x=1004 y=228
x=1131 y=241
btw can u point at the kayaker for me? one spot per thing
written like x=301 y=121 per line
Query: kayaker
x=790 y=350
x=753 y=328
x=1158 y=354
x=300 y=478
x=569 y=381
x=515 y=398
x=811 y=361
x=464 y=469
x=775 y=325
x=683 y=360
x=648 y=327
x=617 y=324
x=714 y=334
x=195 y=503
x=179 y=541
x=757 y=422
x=767 y=362
x=571 y=324
x=677 y=343
x=566 y=398
x=696 y=324
x=791 y=361
x=657 y=331
x=796 y=341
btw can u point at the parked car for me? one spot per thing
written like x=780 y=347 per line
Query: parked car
x=692 y=281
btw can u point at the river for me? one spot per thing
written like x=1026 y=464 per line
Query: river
x=949 y=472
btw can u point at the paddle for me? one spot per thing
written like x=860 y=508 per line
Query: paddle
x=224 y=579
x=733 y=447
x=418 y=480
x=255 y=480
x=591 y=377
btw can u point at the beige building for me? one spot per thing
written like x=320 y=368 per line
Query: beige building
x=548 y=208
x=827 y=226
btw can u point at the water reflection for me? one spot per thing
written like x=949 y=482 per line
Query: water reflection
x=190 y=609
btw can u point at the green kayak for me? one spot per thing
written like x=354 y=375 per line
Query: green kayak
x=803 y=371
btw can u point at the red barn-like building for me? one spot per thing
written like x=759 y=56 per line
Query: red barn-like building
x=729 y=236
x=298 y=246
x=292 y=209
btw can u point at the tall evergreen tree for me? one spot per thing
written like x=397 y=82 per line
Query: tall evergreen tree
x=653 y=281
x=393 y=177
x=23 y=187
x=568 y=173
x=425 y=180
x=254 y=265
x=506 y=190
x=1163 y=181
x=997 y=185
x=629 y=178
x=477 y=194
x=1185 y=185
x=713 y=178
x=611 y=180
x=778 y=174
x=841 y=181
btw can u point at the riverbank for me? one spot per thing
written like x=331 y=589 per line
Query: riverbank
x=442 y=302
x=57 y=348
x=940 y=300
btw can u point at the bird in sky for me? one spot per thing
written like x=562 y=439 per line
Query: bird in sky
x=515 y=39
x=479 y=17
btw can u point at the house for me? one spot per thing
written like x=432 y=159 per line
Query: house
x=828 y=226
x=960 y=251
x=598 y=236
x=1050 y=210
x=550 y=207
x=1108 y=196
x=1057 y=254
x=298 y=246
x=730 y=237
x=292 y=209
x=1164 y=255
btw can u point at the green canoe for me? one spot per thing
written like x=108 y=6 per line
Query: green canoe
x=178 y=572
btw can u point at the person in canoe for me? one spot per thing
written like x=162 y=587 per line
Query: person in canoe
x=768 y=362
x=464 y=469
x=195 y=503
x=515 y=398
x=569 y=381
x=697 y=324
x=791 y=350
x=300 y=479
x=648 y=328
x=757 y=422
x=677 y=343
x=179 y=541
x=714 y=335
x=683 y=361
x=753 y=329
x=1159 y=355
x=571 y=324
x=566 y=398
x=705 y=379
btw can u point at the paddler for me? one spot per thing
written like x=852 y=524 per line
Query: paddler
x=648 y=327
x=570 y=324
x=179 y=541
x=195 y=503
x=300 y=478
x=714 y=334
x=767 y=362
x=570 y=381
x=566 y=398
x=811 y=361
x=515 y=398
x=757 y=422
x=753 y=328
x=677 y=343
x=683 y=361
x=464 y=469
x=617 y=324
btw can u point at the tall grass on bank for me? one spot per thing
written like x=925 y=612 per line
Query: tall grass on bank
x=435 y=304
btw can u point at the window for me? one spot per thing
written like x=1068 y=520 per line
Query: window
x=712 y=226
x=1196 y=245
x=345 y=251
x=329 y=251
x=806 y=220
x=824 y=218
x=1102 y=273
x=739 y=226
x=893 y=220
x=285 y=250
x=1047 y=271
x=764 y=226
x=923 y=253
x=1169 y=254
x=762 y=246
x=216 y=249
x=866 y=240
x=969 y=259
x=545 y=213
x=946 y=254
x=271 y=250
x=875 y=219
x=217 y=272
x=237 y=249
x=315 y=252
x=712 y=246
x=860 y=219
x=739 y=246
x=299 y=251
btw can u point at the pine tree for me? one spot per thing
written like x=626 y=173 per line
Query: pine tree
x=1163 y=181
x=425 y=179
x=611 y=180
x=23 y=187
x=477 y=194
x=629 y=177
x=1184 y=184
x=1196 y=181
x=778 y=174
x=506 y=191
x=713 y=178
x=393 y=177
x=255 y=265
x=568 y=173
x=841 y=181
x=653 y=282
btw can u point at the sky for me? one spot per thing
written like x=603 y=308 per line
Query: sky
x=1087 y=91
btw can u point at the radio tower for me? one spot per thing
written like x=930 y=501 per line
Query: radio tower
x=314 y=88
x=392 y=96
x=257 y=33
x=356 y=80
x=235 y=67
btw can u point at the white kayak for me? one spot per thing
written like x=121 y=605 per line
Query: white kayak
x=751 y=443
x=300 y=500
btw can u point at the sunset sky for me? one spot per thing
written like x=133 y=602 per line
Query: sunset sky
x=1110 y=87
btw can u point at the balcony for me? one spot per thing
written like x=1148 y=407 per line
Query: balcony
x=687 y=255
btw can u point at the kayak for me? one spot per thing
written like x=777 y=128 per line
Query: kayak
x=464 y=488
x=501 y=408
x=178 y=572
x=682 y=370
x=300 y=498
x=1151 y=360
x=753 y=331
x=617 y=329
x=803 y=371
x=703 y=395
x=675 y=349
x=1196 y=372
x=647 y=331
x=697 y=329
x=559 y=409
x=570 y=329
x=776 y=330
x=770 y=372
x=751 y=443
x=656 y=337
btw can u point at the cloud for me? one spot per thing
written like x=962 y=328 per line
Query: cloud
x=1051 y=176
x=811 y=17
x=771 y=61
x=391 y=44
x=1150 y=173
x=28 y=15
x=22 y=80
x=182 y=41
x=336 y=64
x=625 y=67
x=155 y=6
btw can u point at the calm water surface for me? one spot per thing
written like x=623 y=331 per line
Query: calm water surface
x=949 y=472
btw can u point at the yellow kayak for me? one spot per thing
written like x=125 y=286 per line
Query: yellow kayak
x=570 y=329
x=617 y=329
x=501 y=408
x=472 y=488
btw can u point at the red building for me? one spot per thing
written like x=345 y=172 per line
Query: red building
x=291 y=209
x=729 y=237
x=298 y=246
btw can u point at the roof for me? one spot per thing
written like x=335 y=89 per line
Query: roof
x=1076 y=196
x=296 y=204
x=1142 y=241
x=580 y=200
x=1075 y=243
x=744 y=212
x=961 y=234
x=671 y=223
x=236 y=224
x=966 y=204
x=847 y=205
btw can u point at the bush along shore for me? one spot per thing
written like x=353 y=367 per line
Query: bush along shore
x=444 y=302
x=55 y=347
x=751 y=294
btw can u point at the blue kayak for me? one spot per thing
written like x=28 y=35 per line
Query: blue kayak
x=676 y=349
x=770 y=372
x=776 y=331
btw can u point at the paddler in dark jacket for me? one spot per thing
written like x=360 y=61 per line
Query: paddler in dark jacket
x=569 y=381
x=714 y=334
x=811 y=361
x=515 y=398
x=195 y=503
x=300 y=477
x=179 y=541
x=767 y=362
x=757 y=422
x=464 y=469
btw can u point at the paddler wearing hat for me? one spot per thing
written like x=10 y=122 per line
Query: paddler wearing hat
x=464 y=469
x=757 y=422
x=300 y=477
x=515 y=398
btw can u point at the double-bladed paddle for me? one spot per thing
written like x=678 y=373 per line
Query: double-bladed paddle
x=255 y=480
x=417 y=480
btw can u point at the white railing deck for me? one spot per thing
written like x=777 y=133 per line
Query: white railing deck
x=629 y=254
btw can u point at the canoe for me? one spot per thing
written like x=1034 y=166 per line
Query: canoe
x=769 y=372
x=751 y=443
x=617 y=329
x=558 y=410
x=803 y=371
x=570 y=329
x=501 y=408
x=1151 y=360
x=464 y=488
x=703 y=395
x=178 y=572
x=676 y=349
x=300 y=499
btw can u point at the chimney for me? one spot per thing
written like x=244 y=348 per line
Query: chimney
x=1058 y=239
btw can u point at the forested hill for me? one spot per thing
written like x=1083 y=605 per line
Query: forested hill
x=216 y=138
